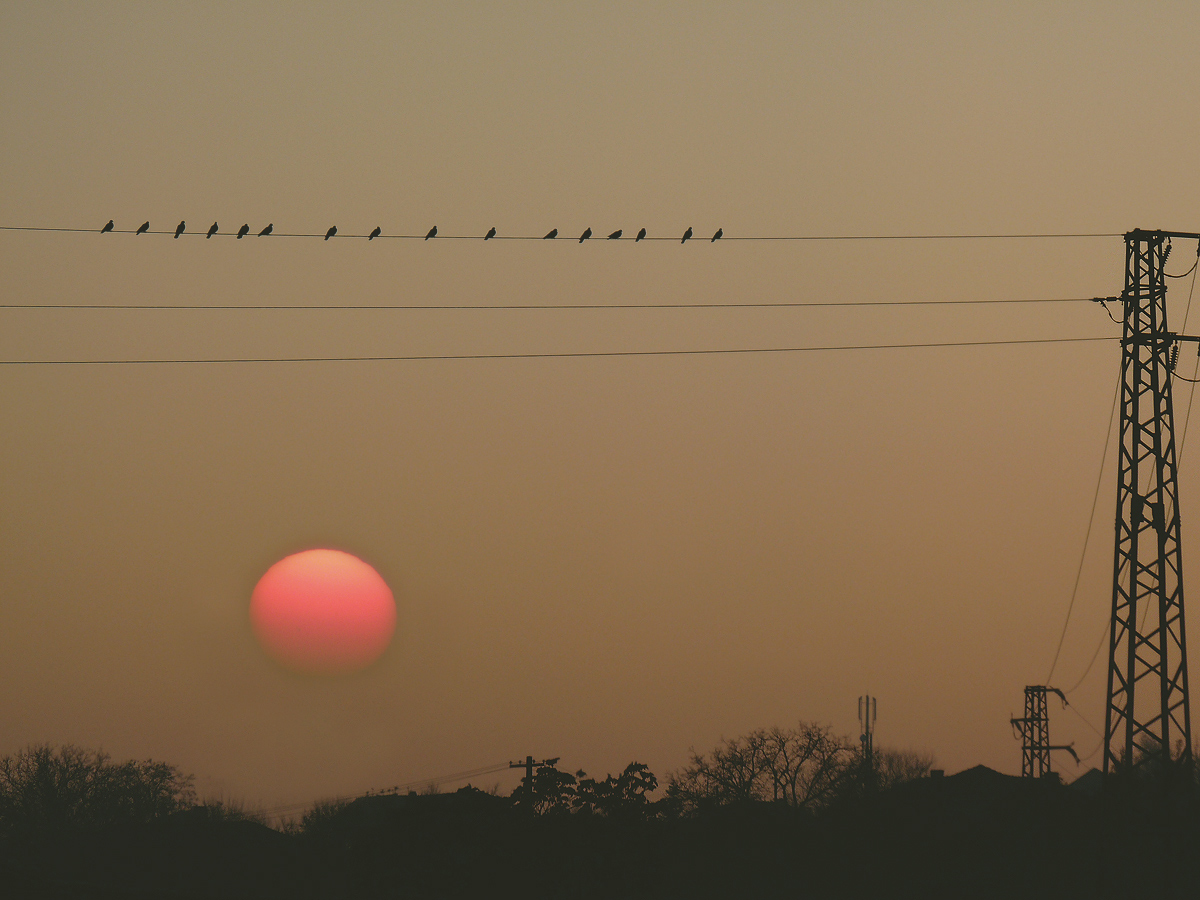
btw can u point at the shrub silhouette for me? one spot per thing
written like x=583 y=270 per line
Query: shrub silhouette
x=625 y=795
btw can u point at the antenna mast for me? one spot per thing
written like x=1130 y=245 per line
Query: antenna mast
x=868 y=708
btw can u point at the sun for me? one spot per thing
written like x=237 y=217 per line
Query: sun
x=323 y=611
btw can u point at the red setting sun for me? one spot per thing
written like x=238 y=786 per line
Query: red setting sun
x=323 y=611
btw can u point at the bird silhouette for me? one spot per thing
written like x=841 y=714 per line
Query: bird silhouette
x=551 y=235
x=211 y=231
x=374 y=234
x=641 y=234
x=179 y=230
x=616 y=235
x=243 y=231
x=587 y=234
x=717 y=236
x=267 y=230
x=108 y=227
x=331 y=232
x=432 y=233
x=687 y=234
x=491 y=234
x=143 y=228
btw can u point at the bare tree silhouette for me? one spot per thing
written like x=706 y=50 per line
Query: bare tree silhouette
x=802 y=767
x=47 y=788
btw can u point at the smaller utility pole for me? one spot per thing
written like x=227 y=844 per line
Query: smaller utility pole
x=867 y=710
x=1033 y=730
x=528 y=765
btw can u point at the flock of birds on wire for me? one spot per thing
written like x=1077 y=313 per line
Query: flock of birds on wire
x=432 y=233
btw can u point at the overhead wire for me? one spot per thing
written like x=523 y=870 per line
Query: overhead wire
x=565 y=239
x=1103 y=301
x=542 y=306
x=1088 y=533
x=441 y=779
x=1196 y=371
x=1097 y=731
x=1084 y=719
x=586 y=354
x=1091 y=662
x=1087 y=722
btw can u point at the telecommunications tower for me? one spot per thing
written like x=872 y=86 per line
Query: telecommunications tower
x=868 y=708
x=1147 y=714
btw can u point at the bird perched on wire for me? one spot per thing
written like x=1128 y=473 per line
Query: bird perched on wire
x=687 y=234
x=641 y=234
x=491 y=234
x=551 y=234
x=616 y=235
x=211 y=231
x=108 y=227
x=432 y=233
x=243 y=231
x=586 y=234
x=179 y=230
x=331 y=232
x=143 y=228
x=267 y=230
x=374 y=234
x=717 y=236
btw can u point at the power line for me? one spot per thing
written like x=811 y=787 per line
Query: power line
x=1098 y=732
x=540 y=306
x=1195 y=371
x=564 y=355
x=566 y=239
x=442 y=779
x=1085 y=720
x=1092 y=662
x=1088 y=534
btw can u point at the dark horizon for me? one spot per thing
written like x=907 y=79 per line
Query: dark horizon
x=77 y=824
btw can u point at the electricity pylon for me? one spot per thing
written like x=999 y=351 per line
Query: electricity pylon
x=1148 y=712
x=1033 y=730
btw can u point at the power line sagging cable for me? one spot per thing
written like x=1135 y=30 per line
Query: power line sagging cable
x=600 y=354
x=441 y=779
x=1097 y=731
x=1088 y=533
x=797 y=305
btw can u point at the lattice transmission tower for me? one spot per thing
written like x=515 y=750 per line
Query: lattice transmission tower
x=1148 y=712
x=1033 y=730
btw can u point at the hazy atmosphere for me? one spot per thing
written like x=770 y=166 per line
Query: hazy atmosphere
x=600 y=558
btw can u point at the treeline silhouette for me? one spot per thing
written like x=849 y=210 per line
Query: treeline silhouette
x=792 y=812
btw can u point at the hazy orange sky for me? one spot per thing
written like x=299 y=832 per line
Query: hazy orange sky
x=599 y=559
